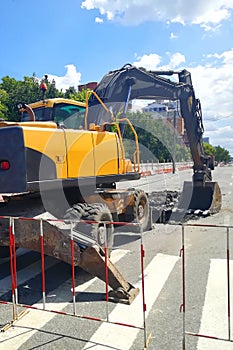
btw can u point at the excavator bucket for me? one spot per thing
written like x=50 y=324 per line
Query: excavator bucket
x=203 y=197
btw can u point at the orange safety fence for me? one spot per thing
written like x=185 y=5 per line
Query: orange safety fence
x=162 y=168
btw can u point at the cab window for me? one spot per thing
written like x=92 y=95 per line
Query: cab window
x=65 y=115
x=68 y=115
x=41 y=114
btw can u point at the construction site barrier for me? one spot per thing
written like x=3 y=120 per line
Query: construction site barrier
x=15 y=303
x=183 y=307
x=151 y=168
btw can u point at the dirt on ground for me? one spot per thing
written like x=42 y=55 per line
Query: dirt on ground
x=165 y=207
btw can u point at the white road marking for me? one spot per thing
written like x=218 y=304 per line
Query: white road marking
x=28 y=325
x=108 y=335
x=26 y=274
x=20 y=251
x=214 y=320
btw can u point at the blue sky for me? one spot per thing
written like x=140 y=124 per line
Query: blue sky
x=79 y=41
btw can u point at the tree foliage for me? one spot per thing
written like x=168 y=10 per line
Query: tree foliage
x=14 y=92
x=157 y=138
x=208 y=149
x=222 y=155
x=3 y=106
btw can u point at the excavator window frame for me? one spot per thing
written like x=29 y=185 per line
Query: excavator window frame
x=42 y=113
x=45 y=113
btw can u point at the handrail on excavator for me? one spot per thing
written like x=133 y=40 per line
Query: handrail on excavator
x=100 y=101
x=137 y=152
x=136 y=155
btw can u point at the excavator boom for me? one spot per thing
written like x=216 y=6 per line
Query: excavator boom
x=120 y=86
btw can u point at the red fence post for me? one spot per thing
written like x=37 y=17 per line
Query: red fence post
x=42 y=261
x=182 y=307
x=12 y=266
x=228 y=287
x=72 y=266
x=143 y=287
x=106 y=268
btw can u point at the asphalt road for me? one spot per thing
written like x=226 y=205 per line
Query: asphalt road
x=205 y=287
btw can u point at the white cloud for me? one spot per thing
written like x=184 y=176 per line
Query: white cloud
x=99 y=20
x=214 y=84
x=211 y=19
x=204 y=13
x=176 y=59
x=223 y=137
x=150 y=62
x=173 y=36
x=153 y=60
x=71 y=78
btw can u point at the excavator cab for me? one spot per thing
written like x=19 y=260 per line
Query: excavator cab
x=65 y=113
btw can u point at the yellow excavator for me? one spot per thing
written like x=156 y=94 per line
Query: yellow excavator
x=72 y=155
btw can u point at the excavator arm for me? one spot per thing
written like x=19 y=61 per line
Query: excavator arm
x=118 y=87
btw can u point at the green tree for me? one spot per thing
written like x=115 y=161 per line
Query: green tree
x=16 y=92
x=70 y=92
x=222 y=155
x=77 y=95
x=13 y=92
x=3 y=104
x=208 y=149
x=182 y=153
x=156 y=138
x=52 y=91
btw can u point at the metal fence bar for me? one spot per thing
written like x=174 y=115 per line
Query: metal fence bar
x=228 y=287
x=228 y=339
x=42 y=263
x=72 y=268
x=183 y=306
x=13 y=282
x=85 y=317
x=14 y=261
x=142 y=251
x=13 y=270
x=106 y=269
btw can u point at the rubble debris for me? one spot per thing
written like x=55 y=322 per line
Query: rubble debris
x=165 y=208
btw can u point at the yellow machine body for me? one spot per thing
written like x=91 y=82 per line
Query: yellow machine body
x=52 y=142
x=76 y=153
